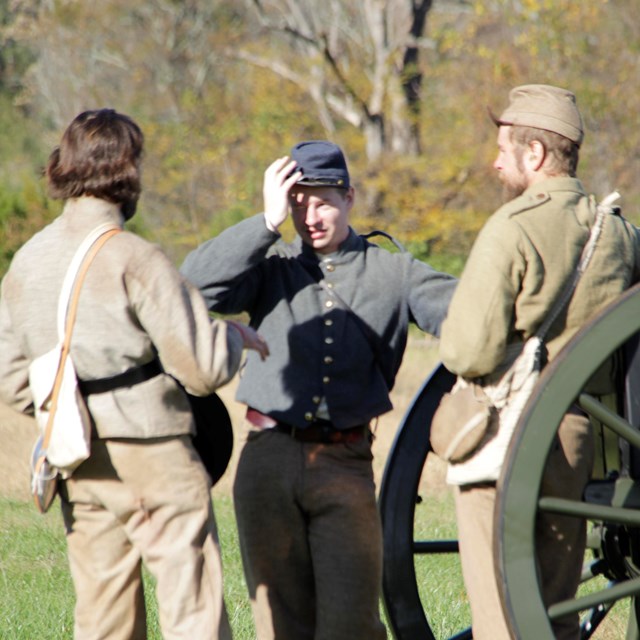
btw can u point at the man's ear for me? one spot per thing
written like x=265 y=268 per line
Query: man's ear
x=535 y=155
x=350 y=197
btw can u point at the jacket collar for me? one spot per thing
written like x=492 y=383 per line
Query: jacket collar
x=89 y=212
x=563 y=183
x=346 y=251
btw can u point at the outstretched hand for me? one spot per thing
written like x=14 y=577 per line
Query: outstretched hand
x=278 y=179
x=251 y=339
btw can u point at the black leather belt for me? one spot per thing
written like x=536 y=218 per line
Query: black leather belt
x=128 y=378
x=317 y=431
x=324 y=433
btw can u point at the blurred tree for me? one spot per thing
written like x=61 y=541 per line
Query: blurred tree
x=211 y=124
x=592 y=48
x=221 y=88
x=23 y=206
x=359 y=61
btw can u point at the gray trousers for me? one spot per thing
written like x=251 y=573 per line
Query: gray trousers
x=310 y=538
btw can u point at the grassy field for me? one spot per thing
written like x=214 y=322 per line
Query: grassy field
x=36 y=593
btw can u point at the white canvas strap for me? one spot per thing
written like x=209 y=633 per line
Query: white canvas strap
x=602 y=209
x=73 y=279
x=72 y=271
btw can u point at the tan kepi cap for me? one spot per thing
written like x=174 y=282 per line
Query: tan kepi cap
x=543 y=107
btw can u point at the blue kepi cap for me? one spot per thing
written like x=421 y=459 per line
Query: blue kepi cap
x=322 y=164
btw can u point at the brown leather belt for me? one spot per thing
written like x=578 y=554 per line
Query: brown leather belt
x=317 y=431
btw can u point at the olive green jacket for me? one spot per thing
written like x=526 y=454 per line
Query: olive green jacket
x=518 y=266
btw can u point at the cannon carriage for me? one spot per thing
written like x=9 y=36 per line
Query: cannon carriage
x=610 y=503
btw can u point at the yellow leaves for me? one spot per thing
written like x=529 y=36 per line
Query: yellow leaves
x=213 y=121
x=23 y=212
x=418 y=201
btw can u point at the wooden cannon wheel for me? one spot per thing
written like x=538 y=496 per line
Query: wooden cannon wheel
x=611 y=505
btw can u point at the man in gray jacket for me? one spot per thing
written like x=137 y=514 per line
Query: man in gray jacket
x=142 y=336
x=335 y=310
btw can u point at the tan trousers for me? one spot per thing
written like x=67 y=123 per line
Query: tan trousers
x=146 y=501
x=560 y=541
x=310 y=538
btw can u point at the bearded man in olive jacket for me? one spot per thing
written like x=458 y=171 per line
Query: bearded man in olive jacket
x=519 y=264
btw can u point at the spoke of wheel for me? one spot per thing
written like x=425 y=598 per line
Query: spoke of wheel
x=397 y=501
x=604 y=596
x=610 y=419
x=565 y=507
x=435 y=546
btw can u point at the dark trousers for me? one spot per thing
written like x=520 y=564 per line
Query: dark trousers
x=310 y=538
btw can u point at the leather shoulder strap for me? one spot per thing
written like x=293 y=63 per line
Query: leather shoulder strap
x=378 y=232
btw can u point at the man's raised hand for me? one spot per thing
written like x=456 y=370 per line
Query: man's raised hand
x=279 y=177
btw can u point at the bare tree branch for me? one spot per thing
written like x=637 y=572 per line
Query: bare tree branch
x=371 y=53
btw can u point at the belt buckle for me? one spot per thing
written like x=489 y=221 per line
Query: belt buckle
x=315 y=432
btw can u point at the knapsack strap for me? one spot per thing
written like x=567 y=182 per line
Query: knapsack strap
x=78 y=269
x=388 y=236
x=602 y=209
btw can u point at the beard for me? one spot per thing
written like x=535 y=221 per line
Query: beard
x=513 y=188
x=516 y=183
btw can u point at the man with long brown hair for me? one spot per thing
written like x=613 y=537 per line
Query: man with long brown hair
x=142 y=336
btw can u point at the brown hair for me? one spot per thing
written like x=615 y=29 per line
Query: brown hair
x=563 y=154
x=99 y=155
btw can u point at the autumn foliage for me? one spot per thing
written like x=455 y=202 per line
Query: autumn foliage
x=222 y=88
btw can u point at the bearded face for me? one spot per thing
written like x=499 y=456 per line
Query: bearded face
x=514 y=183
x=510 y=166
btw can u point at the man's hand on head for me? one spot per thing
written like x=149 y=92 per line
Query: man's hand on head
x=279 y=177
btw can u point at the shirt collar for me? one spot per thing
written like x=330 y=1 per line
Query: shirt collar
x=563 y=183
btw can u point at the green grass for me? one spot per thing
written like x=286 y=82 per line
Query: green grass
x=35 y=587
x=235 y=590
x=439 y=576
x=36 y=593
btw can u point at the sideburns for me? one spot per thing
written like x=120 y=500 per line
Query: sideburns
x=518 y=152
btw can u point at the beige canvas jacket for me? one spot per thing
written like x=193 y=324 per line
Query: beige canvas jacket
x=517 y=268
x=134 y=305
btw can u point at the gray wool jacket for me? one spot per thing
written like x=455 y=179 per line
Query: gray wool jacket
x=134 y=305
x=322 y=350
